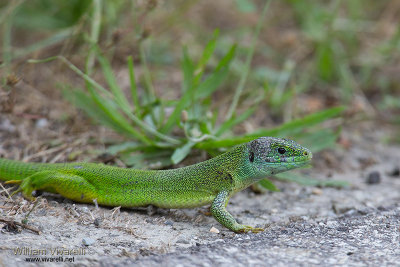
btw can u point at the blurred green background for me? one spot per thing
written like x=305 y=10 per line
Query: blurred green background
x=173 y=76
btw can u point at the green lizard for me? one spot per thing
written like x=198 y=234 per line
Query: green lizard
x=213 y=181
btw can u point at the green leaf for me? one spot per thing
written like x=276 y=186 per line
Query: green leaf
x=226 y=142
x=186 y=97
x=325 y=62
x=123 y=147
x=57 y=37
x=50 y=15
x=109 y=109
x=227 y=59
x=245 y=6
x=267 y=184
x=211 y=83
x=188 y=70
x=149 y=160
x=208 y=50
x=320 y=139
x=190 y=82
x=291 y=127
x=229 y=124
x=249 y=58
x=307 y=181
x=300 y=124
x=214 y=80
x=114 y=87
x=181 y=152
x=132 y=79
x=84 y=102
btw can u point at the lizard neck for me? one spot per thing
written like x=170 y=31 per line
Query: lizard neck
x=248 y=174
x=236 y=162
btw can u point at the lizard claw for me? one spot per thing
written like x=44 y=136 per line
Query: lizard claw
x=13 y=182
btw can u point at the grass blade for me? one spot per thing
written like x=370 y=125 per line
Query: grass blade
x=249 y=58
x=234 y=121
x=209 y=85
x=289 y=127
x=300 y=124
x=109 y=97
x=319 y=140
x=110 y=109
x=186 y=98
x=149 y=160
x=307 y=181
x=114 y=87
x=192 y=79
x=208 y=51
x=267 y=184
x=148 y=84
x=181 y=152
x=124 y=147
x=227 y=59
x=86 y=103
x=132 y=79
x=214 y=80
x=188 y=70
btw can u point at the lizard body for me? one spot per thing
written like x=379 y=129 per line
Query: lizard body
x=210 y=182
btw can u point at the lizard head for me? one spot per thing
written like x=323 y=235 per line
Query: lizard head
x=269 y=155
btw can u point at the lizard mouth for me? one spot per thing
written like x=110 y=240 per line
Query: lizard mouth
x=295 y=159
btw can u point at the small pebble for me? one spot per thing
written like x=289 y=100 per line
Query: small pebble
x=168 y=222
x=395 y=172
x=374 y=177
x=214 y=230
x=41 y=123
x=341 y=208
x=87 y=241
x=97 y=222
x=41 y=212
x=6 y=125
x=316 y=191
x=85 y=210
x=183 y=241
x=151 y=210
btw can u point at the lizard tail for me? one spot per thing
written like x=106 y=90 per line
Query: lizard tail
x=16 y=170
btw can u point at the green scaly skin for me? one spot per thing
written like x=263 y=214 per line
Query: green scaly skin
x=210 y=182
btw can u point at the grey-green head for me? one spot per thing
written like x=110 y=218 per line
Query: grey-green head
x=270 y=155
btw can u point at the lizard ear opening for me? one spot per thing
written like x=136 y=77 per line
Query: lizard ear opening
x=251 y=156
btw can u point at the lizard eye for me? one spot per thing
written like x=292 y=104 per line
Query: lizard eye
x=251 y=156
x=281 y=150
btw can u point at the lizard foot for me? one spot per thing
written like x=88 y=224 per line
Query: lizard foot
x=247 y=228
x=24 y=186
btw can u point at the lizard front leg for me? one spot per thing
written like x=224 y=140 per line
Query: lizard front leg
x=219 y=212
